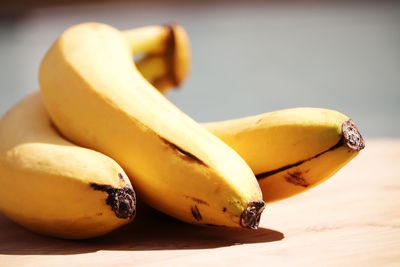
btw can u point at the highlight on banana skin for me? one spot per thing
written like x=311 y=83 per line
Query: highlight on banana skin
x=99 y=133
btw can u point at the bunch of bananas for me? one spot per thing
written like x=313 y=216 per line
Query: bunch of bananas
x=74 y=154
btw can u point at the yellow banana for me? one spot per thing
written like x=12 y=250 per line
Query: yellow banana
x=39 y=160
x=171 y=43
x=97 y=98
x=290 y=151
x=54 y=187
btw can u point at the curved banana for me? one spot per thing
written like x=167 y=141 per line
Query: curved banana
x=53 y=187
x=98 y=99
x=290 y=151
x=171 y=43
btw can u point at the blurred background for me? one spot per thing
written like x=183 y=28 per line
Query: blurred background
x=249 y=57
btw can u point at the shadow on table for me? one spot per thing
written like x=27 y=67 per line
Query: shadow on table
x=150 y=230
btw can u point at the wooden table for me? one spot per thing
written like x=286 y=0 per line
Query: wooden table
x=352 y=219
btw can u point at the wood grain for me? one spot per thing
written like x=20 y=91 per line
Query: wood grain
x=353 y=219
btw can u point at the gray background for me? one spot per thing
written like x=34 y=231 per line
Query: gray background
x=248 y=57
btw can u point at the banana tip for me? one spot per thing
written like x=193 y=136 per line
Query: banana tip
x=121 y=200
x=178 y=45
x=352 y=136
x=250 y=218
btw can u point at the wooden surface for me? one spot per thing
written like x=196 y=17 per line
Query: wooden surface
x=353 y=219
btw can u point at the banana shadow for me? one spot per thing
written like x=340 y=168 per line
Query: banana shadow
x=150 y=230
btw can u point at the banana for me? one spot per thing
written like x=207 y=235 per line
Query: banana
x=171 y=42
x=98 y=99
x=54 y=187
x=101 y=199
x=291 y=150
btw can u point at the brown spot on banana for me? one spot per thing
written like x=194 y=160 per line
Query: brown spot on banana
x=121 y=200
x=296 y=178
x=183 y=153
x=121 y=177
x=198 y=200
x=196 y=213
x=351 y=138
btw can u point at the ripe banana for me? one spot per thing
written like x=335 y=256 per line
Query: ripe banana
x=290 y=151
x=97 y=98
x=171 y=43
x=53 y=187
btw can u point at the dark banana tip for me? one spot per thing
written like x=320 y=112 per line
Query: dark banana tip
x=124 y=203
x=250 y=218
x=177 y=54
x=172 y=54
x=121 y=200
x=351 y=135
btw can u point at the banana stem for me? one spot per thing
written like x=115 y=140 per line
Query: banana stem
x=152 y=67
x=157 y=70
